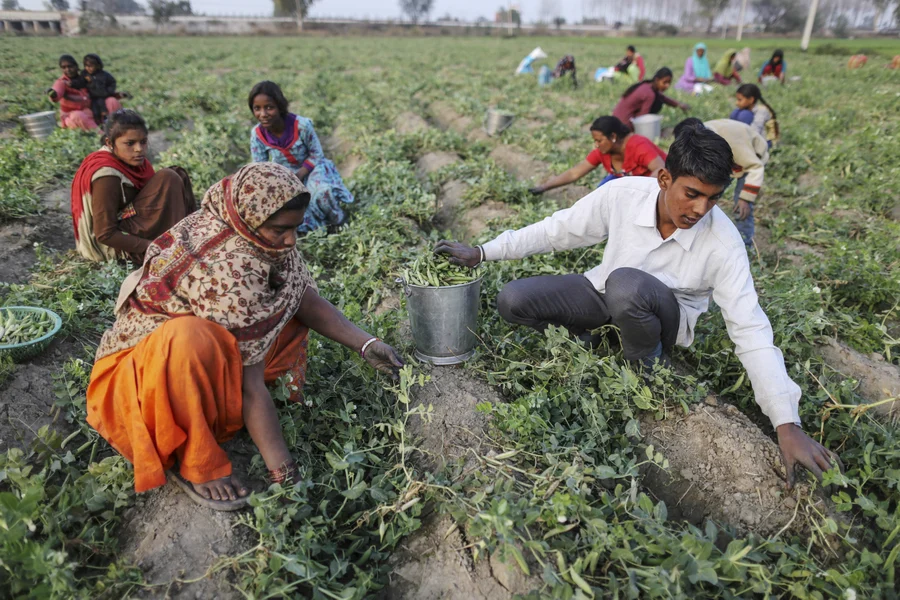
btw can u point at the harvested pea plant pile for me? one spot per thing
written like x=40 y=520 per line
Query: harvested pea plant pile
x=569 y=477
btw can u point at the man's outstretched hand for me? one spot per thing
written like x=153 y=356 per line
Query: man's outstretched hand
x=460 y=254
x=798 y=448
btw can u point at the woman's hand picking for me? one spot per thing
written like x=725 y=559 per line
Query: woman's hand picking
x=384 y=358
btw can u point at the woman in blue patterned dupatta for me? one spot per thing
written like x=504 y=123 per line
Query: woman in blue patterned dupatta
x=290 y=140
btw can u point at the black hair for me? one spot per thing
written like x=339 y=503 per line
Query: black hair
x=298 y=202
x=609 y=126
x=689 y=123
x=700 y=152
x=119 y=122
x=778 y=53
x=67 y=58
x=751 y=90
x=270 y=89
x=94 y=59
x=632 y=48
x=660 y=74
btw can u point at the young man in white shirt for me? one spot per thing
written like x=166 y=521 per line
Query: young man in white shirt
x=668 y=249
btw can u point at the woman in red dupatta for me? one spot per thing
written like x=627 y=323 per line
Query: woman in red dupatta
x=220 y=307
x=119 y=203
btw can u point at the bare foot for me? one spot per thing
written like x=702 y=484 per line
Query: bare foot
x=226 y=488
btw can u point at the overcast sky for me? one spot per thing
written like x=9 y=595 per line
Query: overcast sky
x=374 y=9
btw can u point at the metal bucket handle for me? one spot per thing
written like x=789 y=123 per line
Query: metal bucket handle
x=405 y=286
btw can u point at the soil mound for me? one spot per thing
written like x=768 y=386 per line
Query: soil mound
x=454 y=425
x=173 y=540
x=17 y=239
x=721 y=467
x=878 y=379
x=474 y=221
x=409 y=123
x=434 y=564
x=434 y=161
x=447 y=118
x=525 y=168
x=26 y=403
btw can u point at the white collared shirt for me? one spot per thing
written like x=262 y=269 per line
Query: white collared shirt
x=706 y=260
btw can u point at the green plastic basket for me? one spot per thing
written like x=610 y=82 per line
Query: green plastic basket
x=26 y=350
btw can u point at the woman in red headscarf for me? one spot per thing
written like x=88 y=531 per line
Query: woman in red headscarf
x=119 y=203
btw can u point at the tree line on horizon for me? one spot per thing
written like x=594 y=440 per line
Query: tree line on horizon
x=770 y=16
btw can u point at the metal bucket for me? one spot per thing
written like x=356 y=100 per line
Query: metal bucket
x=443 y=321
x=40 y=125
x=649 y=126
x=496 y=121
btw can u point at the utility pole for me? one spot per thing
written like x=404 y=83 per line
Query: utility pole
x=299 y=4
x=740 y=32
x=810 y=21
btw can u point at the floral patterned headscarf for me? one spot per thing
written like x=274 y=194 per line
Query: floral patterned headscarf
x=214 y=265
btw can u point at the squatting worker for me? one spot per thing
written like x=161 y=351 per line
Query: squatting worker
x=222 y=306
x=119 y=202
x=668 y=249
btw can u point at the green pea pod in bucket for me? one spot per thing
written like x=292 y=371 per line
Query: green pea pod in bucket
x=442 y=300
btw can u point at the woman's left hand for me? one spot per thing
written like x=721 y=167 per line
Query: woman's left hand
x=384 y=358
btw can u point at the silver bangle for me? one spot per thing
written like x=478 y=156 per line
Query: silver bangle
x=481 y=249
x=362 y=352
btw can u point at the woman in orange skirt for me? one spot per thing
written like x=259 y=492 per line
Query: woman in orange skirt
x=220 y=307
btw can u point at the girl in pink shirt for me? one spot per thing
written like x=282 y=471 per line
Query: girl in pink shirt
x=70 y=91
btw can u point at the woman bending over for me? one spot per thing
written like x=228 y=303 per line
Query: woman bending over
x=621 y=153
x=222 y=305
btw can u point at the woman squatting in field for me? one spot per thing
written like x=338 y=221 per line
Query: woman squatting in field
x=222 y=305
x=646 y=98
x=119 y=203
x=291 y=141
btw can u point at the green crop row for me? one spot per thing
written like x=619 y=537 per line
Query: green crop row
x=569 y=417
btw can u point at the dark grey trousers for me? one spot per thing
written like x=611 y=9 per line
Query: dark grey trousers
x=640 y=305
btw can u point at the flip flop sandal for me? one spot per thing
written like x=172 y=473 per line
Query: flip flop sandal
x=220 y=505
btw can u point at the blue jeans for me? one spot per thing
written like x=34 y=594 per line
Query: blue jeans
x=607 y=179
x=745 y=227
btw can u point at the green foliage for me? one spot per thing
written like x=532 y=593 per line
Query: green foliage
x=562 y=500
x=60 y=505
x=28 y=166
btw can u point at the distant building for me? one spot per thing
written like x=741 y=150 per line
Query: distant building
x=37 y=22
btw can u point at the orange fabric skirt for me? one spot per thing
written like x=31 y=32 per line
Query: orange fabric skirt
x=178 y=394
